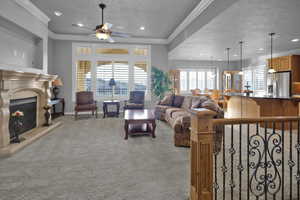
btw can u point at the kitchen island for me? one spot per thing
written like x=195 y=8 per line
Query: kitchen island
x=240 y=105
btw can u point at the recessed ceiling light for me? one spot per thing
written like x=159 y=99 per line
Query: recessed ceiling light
x=220 y=60
x=295 y=40
x=142 y=28
x=235 y=55
x=58 y=13
x=80 y=25
x=260 y=49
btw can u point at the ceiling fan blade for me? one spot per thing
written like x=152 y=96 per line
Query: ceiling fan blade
x=118 y=34
x=83 y=27
x=109 y=39
x=107 y=26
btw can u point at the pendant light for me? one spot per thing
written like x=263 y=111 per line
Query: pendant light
x=228 y=60
x=241 y=57
x=271 y=70
x=228 y=67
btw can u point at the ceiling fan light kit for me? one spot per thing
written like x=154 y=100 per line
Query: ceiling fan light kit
x=103 y=32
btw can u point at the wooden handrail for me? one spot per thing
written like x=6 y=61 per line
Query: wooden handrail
x=228 y=121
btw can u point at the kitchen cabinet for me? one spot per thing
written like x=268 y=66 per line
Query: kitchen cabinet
x=281 y=64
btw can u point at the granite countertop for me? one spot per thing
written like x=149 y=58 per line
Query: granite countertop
x=262 y=96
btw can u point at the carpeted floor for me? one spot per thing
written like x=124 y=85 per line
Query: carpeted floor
x=88 y=159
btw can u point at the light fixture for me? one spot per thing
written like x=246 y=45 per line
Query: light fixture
x=102 y=36
x=80 y=24
x=271 y=70
x=235 y=55
x=241 y=58
x=295 y=40
x=220 y=60
x=142 y=28
x=260 y=49
x=58 y=13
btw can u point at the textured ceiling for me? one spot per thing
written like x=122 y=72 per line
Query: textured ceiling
x=247 y=20
x=159 y=17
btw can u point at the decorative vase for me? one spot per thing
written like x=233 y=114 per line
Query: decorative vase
x=47 y=115
x=18 y=125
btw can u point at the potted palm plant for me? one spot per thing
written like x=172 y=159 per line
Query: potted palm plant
x=161 y=82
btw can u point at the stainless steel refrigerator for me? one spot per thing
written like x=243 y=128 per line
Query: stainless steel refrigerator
x=279 y=84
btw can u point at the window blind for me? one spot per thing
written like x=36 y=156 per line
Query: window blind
x=120 y=74
x=140 y=76
x=260 y=78
x=83 y=76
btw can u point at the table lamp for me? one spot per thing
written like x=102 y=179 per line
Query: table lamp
x=112 y=84
x=56 y=83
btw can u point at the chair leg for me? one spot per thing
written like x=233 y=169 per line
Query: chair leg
x=76 y=115
x=96 y=112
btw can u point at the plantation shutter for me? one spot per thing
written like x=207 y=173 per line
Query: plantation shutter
x=120 y=74
x=260 y=78
x=83 y=76
x=104 y=74
x=140 y=76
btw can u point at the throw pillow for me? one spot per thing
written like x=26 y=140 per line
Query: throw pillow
x=167 y=100
x=197 y=101
x=211 y=105
x=177 y=101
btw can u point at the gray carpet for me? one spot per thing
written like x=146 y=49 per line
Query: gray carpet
x=88 y=159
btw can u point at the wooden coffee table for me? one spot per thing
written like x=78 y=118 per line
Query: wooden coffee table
x=139 y=122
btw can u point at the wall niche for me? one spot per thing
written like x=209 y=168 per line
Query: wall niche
x=19 y=48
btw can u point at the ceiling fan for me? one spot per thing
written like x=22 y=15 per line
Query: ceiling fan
x=103 y=31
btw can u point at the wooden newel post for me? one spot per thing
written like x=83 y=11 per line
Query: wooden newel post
x=202 y=154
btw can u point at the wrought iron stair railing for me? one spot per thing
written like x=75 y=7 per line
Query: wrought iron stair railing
x=244 y=158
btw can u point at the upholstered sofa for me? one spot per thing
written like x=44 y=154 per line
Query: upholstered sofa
x=174 y=109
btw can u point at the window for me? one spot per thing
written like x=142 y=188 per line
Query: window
x=111 y=51
x=183 y=81
x=140 y=51
x=106 y=70
x=255 y=77
x=193 y=80
x=97 y=64
x=140 y=76
x=260 y=78
x=201 y=79
x=83 y=51
x=104 y=74
x=83 y=76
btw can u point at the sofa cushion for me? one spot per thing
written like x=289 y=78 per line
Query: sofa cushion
x=177 y=101
x=180 y=114
x=182 y=120
x=161 y=108
x=198 y=100
x=167 y=100
x=186 y=104
x=170 y=111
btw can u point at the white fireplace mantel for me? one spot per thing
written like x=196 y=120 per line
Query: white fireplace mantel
x=18 y=84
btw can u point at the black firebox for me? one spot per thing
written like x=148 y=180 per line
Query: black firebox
x=29 y=107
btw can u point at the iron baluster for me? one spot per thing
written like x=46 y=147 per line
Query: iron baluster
x=282 y=158
x=232 y=152
x=248 y=168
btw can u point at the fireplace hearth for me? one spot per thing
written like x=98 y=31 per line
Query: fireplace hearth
x=29 y=107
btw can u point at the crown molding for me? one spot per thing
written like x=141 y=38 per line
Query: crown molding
x=188 y=20
x=84 y=38
x=32 y=9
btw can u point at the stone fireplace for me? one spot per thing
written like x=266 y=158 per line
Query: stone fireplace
x=16 y=86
